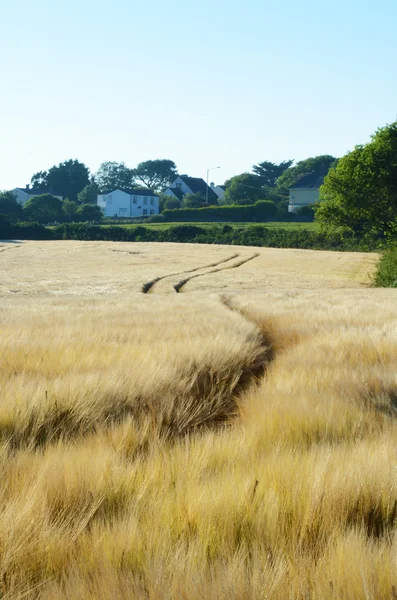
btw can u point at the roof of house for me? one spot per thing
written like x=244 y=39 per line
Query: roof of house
x=198 y=186
x=177 y=192
x=36 y=192
x=139 y=192
x=311 y=181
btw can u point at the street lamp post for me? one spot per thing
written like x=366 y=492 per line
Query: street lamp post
x=206 y=191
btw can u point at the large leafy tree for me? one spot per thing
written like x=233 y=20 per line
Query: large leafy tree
x=361 y=191
x=39 y=180
x=66 y=179
x=269 y=172
x=156 y=174
x=9 y=206
x=243 y=189
x=113 y=175
x=44 y=209
x=88 y=195
x=319 y=165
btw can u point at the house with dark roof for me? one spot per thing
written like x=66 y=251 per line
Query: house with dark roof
x=305 y=192
x=219 y=190
x=128 y=203
x=25 y=194
x=191 y=185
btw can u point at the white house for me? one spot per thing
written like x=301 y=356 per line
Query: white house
x=305 y=192
x=24 y=194
x=191 y=185
x=128 y=203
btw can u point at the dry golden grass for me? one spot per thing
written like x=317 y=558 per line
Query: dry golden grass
x=234 y=442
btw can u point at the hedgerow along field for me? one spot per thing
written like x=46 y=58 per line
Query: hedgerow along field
x=185 y=421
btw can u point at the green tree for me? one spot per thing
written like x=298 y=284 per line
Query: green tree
x=193 y=200
x=66 y=179
x=361 y=191
x=70 y=208
x=113 y=175
x=243 y=189
x=88 y=195
x=319 y=165
x=156 y=174
x=10 y=207
x=89 y=212
x=171 y=203
x=39 y=180
x=44 y=209
x=269 y=172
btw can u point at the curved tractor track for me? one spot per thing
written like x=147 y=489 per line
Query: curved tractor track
x=148 y=287
x=178 y=286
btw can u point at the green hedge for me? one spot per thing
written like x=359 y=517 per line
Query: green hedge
x=261 y=211
x=255 y=235
x=23 y=231
x=386 y=274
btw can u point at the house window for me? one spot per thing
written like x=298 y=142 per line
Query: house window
x=178 y=186
x=151 y=211
x=145 y=211
x=110 y=199
x=145 y=200
x=134 y=199
x=152 y=201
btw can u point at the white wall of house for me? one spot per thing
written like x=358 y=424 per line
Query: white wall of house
x=120 y=204
x=23 y=197
x=299 y=197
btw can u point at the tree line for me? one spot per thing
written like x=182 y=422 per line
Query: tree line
x=79 y=188
x=359 y=192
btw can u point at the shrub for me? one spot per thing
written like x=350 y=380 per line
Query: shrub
x=156 y=219
x=306 y=212
x=89 y=212
x=264 y=210
x=44 y=209
x=386 y=274
x=172 y=203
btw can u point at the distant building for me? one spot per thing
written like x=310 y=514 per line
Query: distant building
x=219 y=190
x=305 y=192
x=191 y=185
x=25 y=194
x=129 y=203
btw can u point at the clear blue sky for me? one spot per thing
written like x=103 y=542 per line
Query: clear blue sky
x=208 y=83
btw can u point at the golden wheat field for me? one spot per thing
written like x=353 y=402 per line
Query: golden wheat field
x=196 y=422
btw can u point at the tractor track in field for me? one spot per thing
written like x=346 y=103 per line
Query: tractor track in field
x=8 y=248
x=178 y=286
x=148 y=287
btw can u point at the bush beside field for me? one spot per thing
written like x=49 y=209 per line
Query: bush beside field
x=386 y=275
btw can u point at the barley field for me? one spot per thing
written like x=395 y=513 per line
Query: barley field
x=195 y=422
